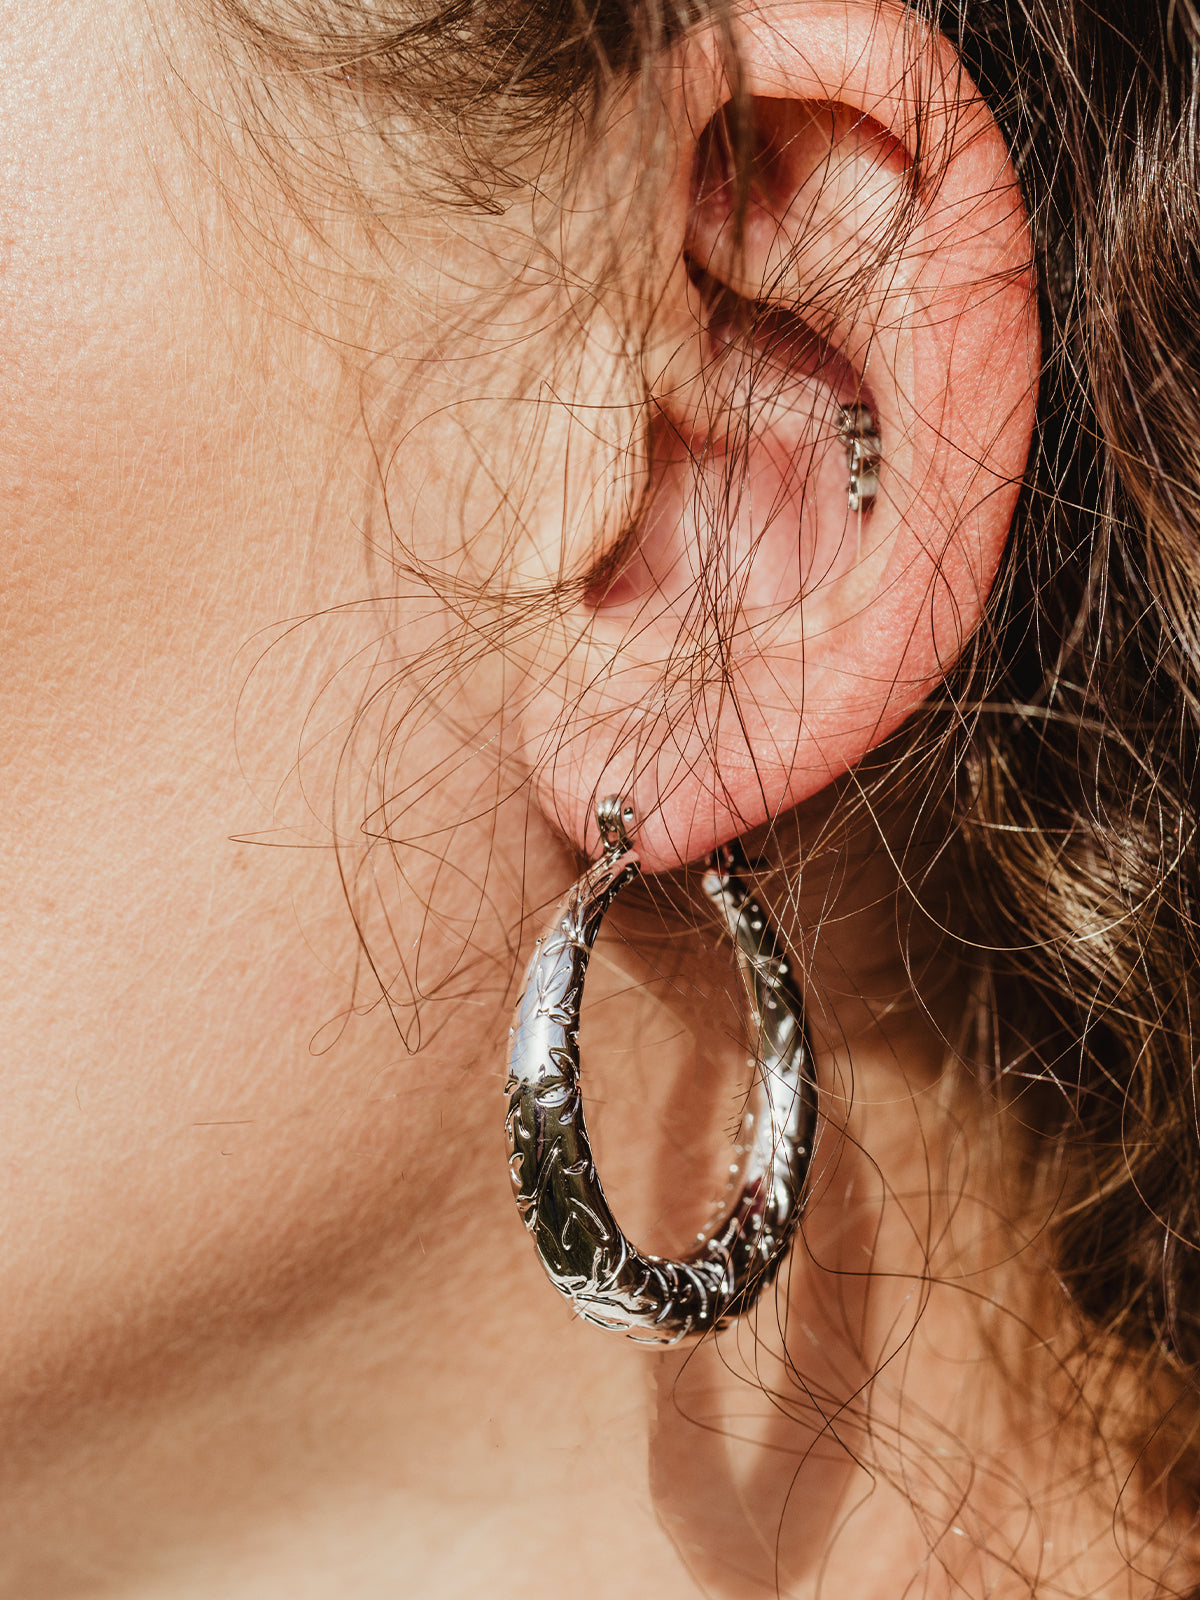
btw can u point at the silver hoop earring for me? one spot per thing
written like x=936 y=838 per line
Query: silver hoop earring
x=584 y=1252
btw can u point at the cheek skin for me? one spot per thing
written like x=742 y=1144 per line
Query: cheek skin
x=185 y=1151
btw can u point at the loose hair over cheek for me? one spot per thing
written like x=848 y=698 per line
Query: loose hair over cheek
x=485 y=83
x=1063 y=753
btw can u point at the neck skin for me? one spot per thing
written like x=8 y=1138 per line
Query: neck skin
x=272 y=1325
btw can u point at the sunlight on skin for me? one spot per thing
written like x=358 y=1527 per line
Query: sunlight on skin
x=271 y=1324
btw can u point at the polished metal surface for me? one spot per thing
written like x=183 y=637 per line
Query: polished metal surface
x=858 y=432
x=583 y=1250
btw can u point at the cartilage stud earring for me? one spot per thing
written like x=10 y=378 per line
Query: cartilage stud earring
x=560 y=1197
x=858 y=432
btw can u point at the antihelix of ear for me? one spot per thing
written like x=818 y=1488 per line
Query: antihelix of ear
x=586 y=1256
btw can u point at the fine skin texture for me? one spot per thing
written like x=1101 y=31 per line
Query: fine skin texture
x=271 y=1326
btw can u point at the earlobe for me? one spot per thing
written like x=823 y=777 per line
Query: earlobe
x=858 y=311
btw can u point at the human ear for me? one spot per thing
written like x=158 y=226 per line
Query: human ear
x=747 y=637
